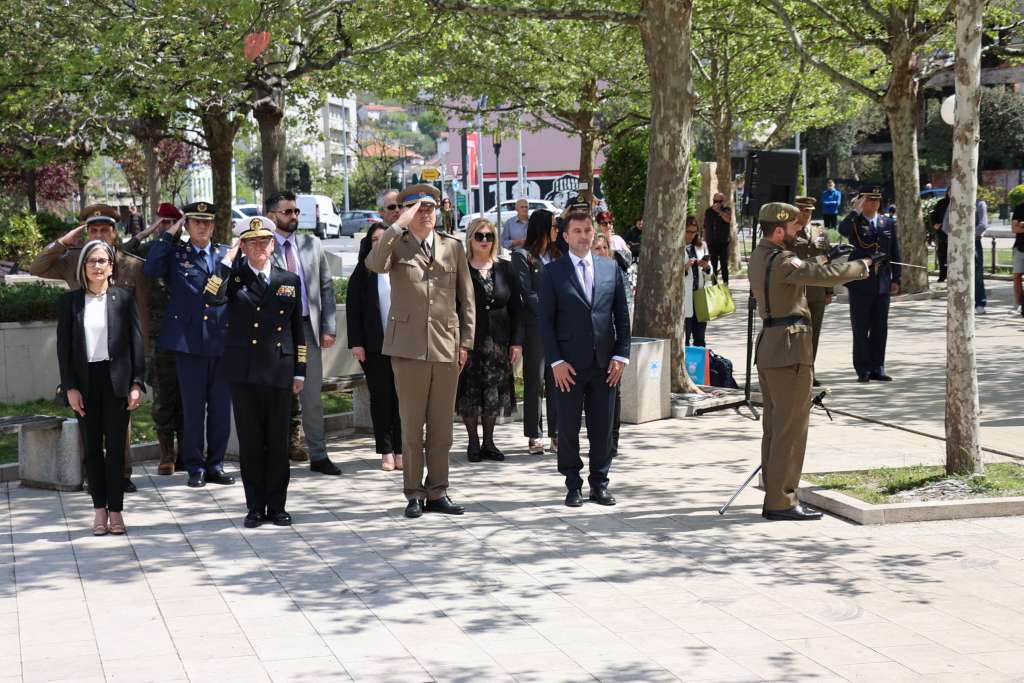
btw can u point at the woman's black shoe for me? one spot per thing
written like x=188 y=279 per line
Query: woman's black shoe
x=473 y=454
x=491 y=453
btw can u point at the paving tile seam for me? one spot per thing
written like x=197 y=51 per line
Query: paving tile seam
x=9 y=524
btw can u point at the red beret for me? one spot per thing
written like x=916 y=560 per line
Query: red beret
x=168 y=210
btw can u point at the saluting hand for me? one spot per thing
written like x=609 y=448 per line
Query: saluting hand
x=173 y=230
x=72 y=236
x=405 y=218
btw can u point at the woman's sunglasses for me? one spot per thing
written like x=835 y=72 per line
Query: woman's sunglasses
x=483 y=236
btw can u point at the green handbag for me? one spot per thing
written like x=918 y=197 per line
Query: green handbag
x=713 y=301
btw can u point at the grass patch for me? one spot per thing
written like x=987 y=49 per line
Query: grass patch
x=336 y=402
x=880 y=485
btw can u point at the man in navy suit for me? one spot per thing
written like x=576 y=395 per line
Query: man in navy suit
x=584 y=323
x=871 y=232
x=195 y=331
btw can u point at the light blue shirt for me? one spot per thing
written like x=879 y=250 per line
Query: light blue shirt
x=298 y=264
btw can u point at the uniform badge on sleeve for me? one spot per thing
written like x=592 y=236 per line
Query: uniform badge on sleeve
x=286 y=290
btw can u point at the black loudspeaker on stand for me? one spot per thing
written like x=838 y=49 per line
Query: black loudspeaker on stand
x=745 y=401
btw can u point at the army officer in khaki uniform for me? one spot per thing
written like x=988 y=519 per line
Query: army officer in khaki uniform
x=779 y=278
x=428 y=336
x=810 y=247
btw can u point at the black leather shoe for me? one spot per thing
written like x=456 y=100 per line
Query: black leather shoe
x=601 y=496
x=488 y=453
x=815 y=383
x=254 y=519
x=325 y=466
x=473 y=454
x=129 y=485
x=443 y=505
x=280 y=518
x=414 y=509
x=196 y=480
x=863 y=379
x=880 y=377
x=219 y=477
x=574 y=498
x=797 y=513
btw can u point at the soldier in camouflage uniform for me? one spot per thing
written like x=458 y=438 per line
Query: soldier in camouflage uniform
x=161 y=373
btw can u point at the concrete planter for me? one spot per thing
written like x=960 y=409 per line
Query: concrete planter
x=28 y=361
x=647 y=381
x=50 y=455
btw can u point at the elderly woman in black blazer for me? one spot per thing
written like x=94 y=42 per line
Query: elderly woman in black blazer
x=486 y=386
x=367 y=303
x=102 y=365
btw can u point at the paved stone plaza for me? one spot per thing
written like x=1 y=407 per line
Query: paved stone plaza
x=521 y=588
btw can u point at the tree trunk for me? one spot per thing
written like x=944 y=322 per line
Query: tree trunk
x=584 y=121
x=587 y=146
x=901 y=109
x=963 y=450
x=149 y=152
x=270 y=117
x=30 y=190
x=83 y=187
x=723 y=173
x=219 y=131
x=659 y=308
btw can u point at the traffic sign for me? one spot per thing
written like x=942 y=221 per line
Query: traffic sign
x=430 y=174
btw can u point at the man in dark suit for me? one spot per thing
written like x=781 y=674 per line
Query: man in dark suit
x=870 y=233
x=584 y=323
x=265 y=364
x=195 y=331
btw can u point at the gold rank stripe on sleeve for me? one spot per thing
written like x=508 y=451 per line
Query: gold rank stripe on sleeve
x=301 y=350
x=213 y=284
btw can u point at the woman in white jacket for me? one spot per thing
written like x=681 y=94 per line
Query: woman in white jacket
x=698 y=265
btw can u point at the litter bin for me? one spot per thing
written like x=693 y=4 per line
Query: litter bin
x=647 y=381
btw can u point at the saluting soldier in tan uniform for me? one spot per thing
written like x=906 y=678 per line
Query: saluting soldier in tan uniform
x=778 y=278
x=59 y=261
x=428 y=336
x=808 y=247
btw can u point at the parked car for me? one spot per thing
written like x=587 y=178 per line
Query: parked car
x=319 y=215
x=249 y=210
x=360 y=220
x=508 y=209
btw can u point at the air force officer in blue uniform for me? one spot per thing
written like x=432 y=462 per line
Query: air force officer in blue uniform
x=584 y=323
x=871 y=232
x=195 y=331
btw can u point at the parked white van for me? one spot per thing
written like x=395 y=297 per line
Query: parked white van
x=319 y=215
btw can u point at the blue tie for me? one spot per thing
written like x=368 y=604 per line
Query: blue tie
x=204 y=259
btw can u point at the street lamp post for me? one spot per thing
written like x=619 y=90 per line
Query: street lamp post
x=497 y=183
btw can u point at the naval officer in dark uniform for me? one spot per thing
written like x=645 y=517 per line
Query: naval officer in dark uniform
x=264 y=361
x=195 y=332
x=871 y=233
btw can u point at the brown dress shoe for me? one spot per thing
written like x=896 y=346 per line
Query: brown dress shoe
x=167 y=456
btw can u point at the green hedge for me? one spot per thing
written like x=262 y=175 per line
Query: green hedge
x=1015 y=196
x=340 y=289
x=20 y=239
x=28 y=302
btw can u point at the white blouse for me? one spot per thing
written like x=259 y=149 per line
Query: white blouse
x=384 y=298
x=95 y=322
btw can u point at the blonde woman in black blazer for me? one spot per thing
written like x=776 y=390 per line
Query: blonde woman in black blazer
x=102 y=365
